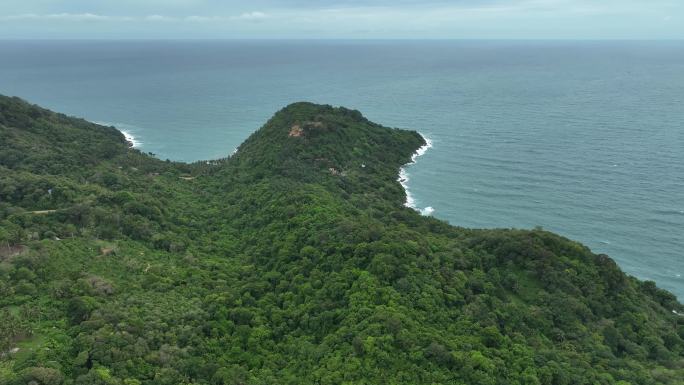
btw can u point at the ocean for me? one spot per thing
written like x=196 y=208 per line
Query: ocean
x=583 y=138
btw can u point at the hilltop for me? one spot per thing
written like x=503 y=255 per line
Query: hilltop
x=293 y=261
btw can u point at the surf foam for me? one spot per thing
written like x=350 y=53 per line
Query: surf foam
x=130 y=138
x=404 y=178
x=126 y=130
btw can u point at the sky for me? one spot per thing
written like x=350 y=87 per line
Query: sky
x=342 y=19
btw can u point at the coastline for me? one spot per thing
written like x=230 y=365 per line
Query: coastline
x=130 y=138
x=403 y=178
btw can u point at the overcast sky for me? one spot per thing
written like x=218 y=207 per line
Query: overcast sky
x=465 y=19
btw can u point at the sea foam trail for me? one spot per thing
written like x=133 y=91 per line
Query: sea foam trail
x=404 y=178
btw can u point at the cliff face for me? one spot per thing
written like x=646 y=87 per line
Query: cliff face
x=293 y=261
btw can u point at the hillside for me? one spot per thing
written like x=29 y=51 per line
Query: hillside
x=291 y=262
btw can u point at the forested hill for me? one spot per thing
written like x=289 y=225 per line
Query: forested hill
x=45 y=142
x=293 y=261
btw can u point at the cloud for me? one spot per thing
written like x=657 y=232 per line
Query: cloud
x=74 y=17
x=344 y=18
x=60 y=16
x=252 y=16
x=248 y=16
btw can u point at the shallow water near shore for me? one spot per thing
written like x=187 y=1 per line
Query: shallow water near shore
x=582 y=138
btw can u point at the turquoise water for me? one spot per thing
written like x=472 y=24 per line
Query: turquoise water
x=582 y=138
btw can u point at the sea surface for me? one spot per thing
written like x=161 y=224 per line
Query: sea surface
x=582 y=138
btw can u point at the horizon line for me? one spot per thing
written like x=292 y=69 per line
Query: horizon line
x=334 y=39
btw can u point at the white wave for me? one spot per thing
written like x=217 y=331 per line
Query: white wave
x=427 y=211
x=423 y=149
x=404 y=178
x=130 y=138
x=126 y=130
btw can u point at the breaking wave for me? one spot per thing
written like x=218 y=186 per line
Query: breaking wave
x=404 y=178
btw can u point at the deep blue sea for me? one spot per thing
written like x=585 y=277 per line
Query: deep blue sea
x=582 y=138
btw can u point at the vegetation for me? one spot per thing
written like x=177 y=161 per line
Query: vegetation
x=292 y=262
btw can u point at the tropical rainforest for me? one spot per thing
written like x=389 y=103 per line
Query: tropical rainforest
x=293 y=261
